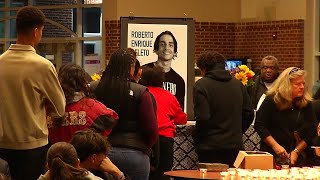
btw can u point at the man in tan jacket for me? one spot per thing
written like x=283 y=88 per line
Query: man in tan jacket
x=29 y=90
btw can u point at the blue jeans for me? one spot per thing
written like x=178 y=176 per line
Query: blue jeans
x=132 y=162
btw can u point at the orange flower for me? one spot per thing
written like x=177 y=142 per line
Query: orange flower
x=241 y=76
x=244 y=74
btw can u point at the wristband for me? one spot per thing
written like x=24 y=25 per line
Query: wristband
x=121 y=176
x=296 y=150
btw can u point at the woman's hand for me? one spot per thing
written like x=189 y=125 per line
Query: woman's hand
x=280 y=151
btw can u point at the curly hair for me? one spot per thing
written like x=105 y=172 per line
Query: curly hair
x=152 y=76
x=209 y=60
x=282 y=89
x=28 y=18
x=113 y=89
x=73 y=79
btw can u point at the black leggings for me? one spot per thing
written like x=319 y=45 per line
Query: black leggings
x=165 y=160
x=25 y=164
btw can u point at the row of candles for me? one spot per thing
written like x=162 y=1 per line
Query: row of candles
x=286 y=173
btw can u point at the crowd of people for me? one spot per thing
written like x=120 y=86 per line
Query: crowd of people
x=123 y=126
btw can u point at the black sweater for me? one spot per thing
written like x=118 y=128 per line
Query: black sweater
x=222 y=110
x=282 y=124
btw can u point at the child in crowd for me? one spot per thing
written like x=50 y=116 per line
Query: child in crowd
x=63 y=163
x=92 y=149
x=169 y=114
x=81 y=112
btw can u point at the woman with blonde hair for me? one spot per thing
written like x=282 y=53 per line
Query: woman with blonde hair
x=285 y=120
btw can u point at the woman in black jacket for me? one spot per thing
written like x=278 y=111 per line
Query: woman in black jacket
x=285 y=121
x=137 y=128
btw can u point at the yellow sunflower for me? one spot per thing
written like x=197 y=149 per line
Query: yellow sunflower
x=244 y=68
x=241 y=76
x=95 y=77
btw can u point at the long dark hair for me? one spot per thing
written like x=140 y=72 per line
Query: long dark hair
x=62 y=159
x=73 y=79
x=113 y=89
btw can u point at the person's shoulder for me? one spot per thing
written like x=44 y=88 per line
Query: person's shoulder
x=201 y=81
x=164 y=92
x=94 y=85
x=136 y=90
x=316 y=104
x=269 y=99
x=98 y=105
x=151 y=64
x=42 y=177
x=92 y=176
x=173 y=73
x=202 y=84
x=42 y=62
x=134 y=85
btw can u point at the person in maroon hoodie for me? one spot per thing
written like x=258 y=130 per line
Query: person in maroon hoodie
x=82 y=112
x=169 y=114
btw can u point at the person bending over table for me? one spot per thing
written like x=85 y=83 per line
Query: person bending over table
x=285 y=120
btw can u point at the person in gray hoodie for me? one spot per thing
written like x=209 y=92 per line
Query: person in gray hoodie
x=222 y=110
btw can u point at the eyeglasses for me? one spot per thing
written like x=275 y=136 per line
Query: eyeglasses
x=295 y=69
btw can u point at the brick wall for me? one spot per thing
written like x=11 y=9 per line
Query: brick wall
x=252 y=40
x=112 y=37
x=62 y=16
x=211 y=36
x=255 y=40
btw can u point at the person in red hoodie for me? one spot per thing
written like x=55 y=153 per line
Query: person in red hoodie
x=82 y=112
x=169 y=114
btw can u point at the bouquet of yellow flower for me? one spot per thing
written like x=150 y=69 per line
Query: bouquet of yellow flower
x=244 y=74
x=95 y=77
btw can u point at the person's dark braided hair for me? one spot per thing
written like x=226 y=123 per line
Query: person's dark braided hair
x=113 y=89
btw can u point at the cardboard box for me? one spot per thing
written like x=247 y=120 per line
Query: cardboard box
x=254 y=160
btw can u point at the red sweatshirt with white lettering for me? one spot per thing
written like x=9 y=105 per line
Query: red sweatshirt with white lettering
x=83 y=114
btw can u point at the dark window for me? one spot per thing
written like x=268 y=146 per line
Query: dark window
x=88 y=49
x=91 y=20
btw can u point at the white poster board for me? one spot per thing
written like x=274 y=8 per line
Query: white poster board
x=92 y=64
x=140 y=33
